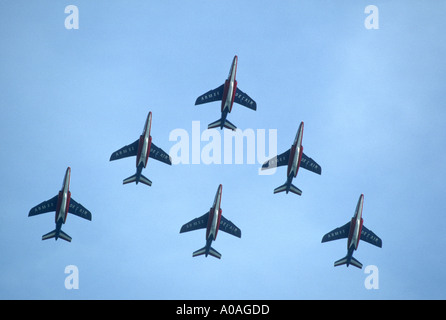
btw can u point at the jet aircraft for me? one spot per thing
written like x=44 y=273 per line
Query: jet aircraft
x=142 y=148
x=354 y=230
x=63 y=204
x=294 y=158
x=213 y=221
x=228 y=93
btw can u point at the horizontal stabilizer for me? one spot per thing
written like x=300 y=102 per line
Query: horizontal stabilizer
x=293 y=189
x=212 y=252
x=52 y=234
x=199 y=252
x=356 y=263
x=353 y=262
x=49 y=235
x=220 y=124
x=142 y=179
x=64 y=236
x=280 y=189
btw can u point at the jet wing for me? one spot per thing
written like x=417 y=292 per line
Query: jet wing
x=78 y=210
x=127 y=151
x=158 y=154
x=370 y=237
x=45 y=206
x=229 y=227
x=310 y=164
x=243 y=99
x=338 y=233
x=277 y=161
x=195 y=224
x=211 y=95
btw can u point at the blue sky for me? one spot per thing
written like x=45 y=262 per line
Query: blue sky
x=373 y=106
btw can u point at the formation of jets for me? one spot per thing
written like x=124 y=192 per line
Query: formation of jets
x=213 y=220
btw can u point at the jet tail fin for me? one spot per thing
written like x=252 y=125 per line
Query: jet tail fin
x=293 y=189
x=142 y=179
x=344 y=260
x=220 y=124
x=212 y=252
x=52 y=234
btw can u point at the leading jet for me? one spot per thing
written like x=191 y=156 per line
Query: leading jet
x=142 y=148
x=354 y=230
x=63 y=204
x=294 y=158
x=213 y=221
x=228 y=93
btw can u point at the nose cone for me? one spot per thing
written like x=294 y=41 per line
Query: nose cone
x=66 y=180
x=68 y=173
x=217 y=199
x=299 y=134
x=359 y=206
x=148 y=122
x=233 y=70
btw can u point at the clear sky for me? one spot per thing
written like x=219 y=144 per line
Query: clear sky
x=373 y=104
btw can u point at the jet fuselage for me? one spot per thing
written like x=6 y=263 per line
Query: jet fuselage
x=214 y=216
x=296 y=153
x=145 y=142
x=63 y=202
x=356 y=225
x=229 y=89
